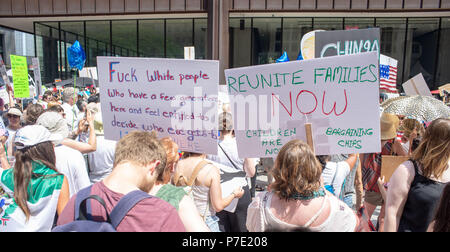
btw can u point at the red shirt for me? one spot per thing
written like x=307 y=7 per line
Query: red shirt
x=149 y=215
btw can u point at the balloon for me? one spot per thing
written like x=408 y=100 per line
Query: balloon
x=300 y=57
x=283 y=58
x=76 y=56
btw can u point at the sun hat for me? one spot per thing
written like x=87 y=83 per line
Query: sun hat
x=34 y=134
x=14 y=111
x=388 y=126
x=54 y=122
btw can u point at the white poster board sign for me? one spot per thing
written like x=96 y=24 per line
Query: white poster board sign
x=37 y=76
x=417 y=86
x=189 y=53
x=338 y=95
x=89 y=72
x=176 y=98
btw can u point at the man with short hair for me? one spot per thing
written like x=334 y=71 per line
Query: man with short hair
x=139 y=160
x=69 y=99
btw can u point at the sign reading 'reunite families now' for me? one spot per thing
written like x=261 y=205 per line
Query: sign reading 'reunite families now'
x=175 y=98
x=337 y=95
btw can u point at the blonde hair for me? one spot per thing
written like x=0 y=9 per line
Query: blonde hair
x=141 y=148
x=408 y=125
x=434 y=149
x=171 y=149
x=296 y=170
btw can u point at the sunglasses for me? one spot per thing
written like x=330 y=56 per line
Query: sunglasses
x=13 y=116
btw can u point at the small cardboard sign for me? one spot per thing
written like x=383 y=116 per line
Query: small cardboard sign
x=417 y=86
x=389 y=164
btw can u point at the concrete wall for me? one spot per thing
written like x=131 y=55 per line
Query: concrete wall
x=96 y=7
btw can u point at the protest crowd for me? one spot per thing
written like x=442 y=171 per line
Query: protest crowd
x=54 y=152
x=61 y=171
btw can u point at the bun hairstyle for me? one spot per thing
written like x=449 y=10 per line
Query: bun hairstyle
x=225 y=123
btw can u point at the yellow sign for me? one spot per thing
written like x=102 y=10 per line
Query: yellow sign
x=20 y=76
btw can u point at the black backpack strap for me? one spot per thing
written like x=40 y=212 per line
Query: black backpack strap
x=126 y=203
x=231 y=161
x=81 y=196
x=87 y=214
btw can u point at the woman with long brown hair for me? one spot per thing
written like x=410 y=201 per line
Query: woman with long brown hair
x=34 y=190
x=416 y=185
x=298 y=199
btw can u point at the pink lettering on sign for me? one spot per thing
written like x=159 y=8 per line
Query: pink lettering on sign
x=194 y=77
x=301 y=107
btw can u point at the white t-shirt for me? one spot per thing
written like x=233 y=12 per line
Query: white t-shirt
x=334 y=174
x=70 y=162
x=11 y=134
x=102 y=160
x=229 y=145
x=71 y=116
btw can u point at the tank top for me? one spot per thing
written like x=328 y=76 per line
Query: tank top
x=423 y=198
x=340 y=219
x=202 y=201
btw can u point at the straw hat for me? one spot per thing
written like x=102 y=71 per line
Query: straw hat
x=388 y=126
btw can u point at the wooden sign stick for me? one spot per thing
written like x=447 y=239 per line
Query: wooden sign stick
x=309 y=135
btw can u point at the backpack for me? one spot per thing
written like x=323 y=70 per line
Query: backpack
x=83 y=221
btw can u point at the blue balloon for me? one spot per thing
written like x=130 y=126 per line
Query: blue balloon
x=283 y=58
x=300 y=57
x=76 y=56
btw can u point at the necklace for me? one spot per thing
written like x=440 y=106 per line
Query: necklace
x=316 y=194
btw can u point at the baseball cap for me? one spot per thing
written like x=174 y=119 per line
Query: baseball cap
x=32 y=135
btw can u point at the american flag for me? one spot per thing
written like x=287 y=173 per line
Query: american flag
x=388 y=74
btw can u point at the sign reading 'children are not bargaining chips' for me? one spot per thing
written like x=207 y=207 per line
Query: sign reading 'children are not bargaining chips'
x=175 y=98
x=338 y=96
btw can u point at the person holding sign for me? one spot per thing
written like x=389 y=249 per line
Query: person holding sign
x=204 y=179
x=233 y=220
x=371 y=165
x=416 y=185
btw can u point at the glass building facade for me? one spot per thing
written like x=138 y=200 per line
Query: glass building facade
x=160 y=38
x=419 y=44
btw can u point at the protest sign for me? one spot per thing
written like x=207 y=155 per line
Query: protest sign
x=388 y=74
x=338 y=96
x=37 y=76
x=189 y=53
x=20 y=76
x=3 y=72
x=389 y=164
x=417 y=86
x=176 y=98
x=347 y=42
